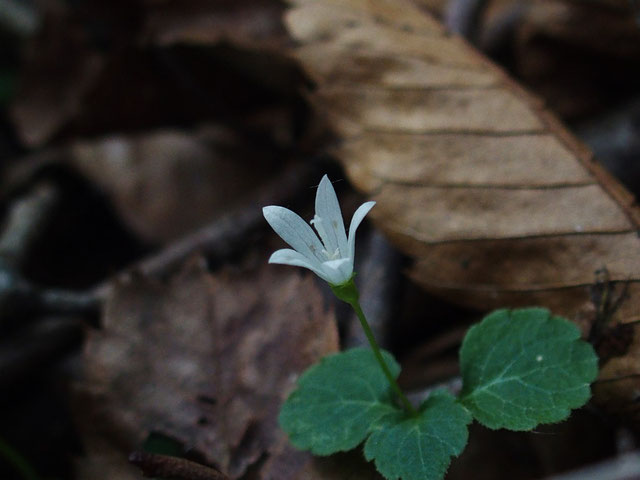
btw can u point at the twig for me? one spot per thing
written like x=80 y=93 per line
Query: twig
x=217 y=242
x=25 y=221
x=32 y=345
x=23 y=170
x=228 y=234
x=164 y=466
x=20 y=298
x=54 y=300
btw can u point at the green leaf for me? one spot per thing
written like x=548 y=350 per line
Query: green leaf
x=338 y=401
x=524 y=367
x=420 y=448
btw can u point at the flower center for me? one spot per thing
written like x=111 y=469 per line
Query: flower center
x=318 y=223
x=332 y=256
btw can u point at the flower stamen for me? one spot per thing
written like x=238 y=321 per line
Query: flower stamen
x=332 y=256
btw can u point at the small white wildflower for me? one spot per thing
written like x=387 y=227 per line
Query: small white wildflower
x=331 y=257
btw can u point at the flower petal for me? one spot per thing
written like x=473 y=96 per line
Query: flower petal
x=287 y=256
x=331 y=229
x=358 y=216
x=295 y=231
x=339 y=271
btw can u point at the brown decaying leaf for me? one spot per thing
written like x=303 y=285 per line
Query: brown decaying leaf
x=166 y=183
x=164 y=63
x=497 y=203
x=206 y=360
x=582 y=57
x=252 y=23
x=103 y=460
x=42 y=106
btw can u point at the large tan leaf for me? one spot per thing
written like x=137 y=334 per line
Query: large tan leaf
x=497 y=203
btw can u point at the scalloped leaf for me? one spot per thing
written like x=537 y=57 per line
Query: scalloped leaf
x=524 y=367
x=338 y=401
x=420 y=448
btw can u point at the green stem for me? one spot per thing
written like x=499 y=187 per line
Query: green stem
x=17 y=461
x=349 y=293
x=376 y=351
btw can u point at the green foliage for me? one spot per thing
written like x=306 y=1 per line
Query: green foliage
x=521 y=368
x=346 y=397
x=420 y=448
x=338 y=401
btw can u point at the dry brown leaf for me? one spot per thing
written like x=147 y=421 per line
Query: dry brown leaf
x=103 y=460
x=167 y=183
x=252 y=23
x=206 y=360
x=42 y=106
x=158 y=68
x=497 y=203
x=582 y=57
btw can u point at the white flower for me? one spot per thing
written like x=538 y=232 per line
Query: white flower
x=332 y=259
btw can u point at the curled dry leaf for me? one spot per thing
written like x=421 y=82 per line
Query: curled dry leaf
x=167 y=183
x=206 y=360
x=497 y=203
